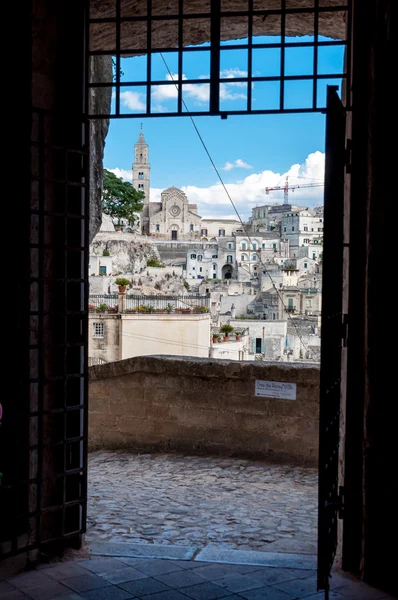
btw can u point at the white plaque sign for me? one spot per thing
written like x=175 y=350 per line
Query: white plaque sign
x=275 y=389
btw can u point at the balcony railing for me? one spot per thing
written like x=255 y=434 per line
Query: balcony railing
x=309 y=290
x=167 y=304
x=290 y=309
x=103 y=303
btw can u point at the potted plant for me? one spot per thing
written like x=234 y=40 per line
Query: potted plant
x=226 y=330
x=169 y=308
x=185 y=311
x=238 y=334
x=216 y=338
x=91 y=307
x=102 y=308
x=122 y=282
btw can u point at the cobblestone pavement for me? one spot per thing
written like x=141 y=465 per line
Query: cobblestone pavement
x=138 y=578
x=201 y=501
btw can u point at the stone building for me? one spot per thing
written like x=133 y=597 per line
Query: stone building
x=141 y=178
x=174 y=218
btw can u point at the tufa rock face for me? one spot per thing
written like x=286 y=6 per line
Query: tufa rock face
x=129 y=254
x=197 y=31
x=100 y=99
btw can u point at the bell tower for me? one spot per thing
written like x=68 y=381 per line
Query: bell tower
x=141 y=178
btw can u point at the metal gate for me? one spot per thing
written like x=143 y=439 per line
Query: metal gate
x=333 y=337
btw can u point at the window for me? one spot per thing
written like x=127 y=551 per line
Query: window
x=141 y=175
x=254 y=257
x=214 y=275
x=215 y=256
x=259 y=345
x=102 y=270
x=214 y=267
x=243 y=257
x=221 y=232
x=141 y=157
x=314 y=256
x=140 y=186
x=193 y=256
x=319 y=228
x=98 y=330
x=200 y=258
x=191 y=228
x=265 y=212
x=284 y=229
x=157 y=227
x=229 y=246
x=273 y=245
x=243 y=246
x=305 y=265
x=309 y=302
x=229 y=258
x=305 y=228
x=292 y=228
x=254 y=245
x=203 y=232
x=200 y=269
x=312 y=229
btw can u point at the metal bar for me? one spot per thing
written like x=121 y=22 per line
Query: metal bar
x=249 y=56
x=149 y=56
x=315 y=73
x=180 y=55
x=214 y=105
x=117 y=21
x=283 y=45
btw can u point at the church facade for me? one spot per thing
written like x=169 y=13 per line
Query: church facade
x=174 y=218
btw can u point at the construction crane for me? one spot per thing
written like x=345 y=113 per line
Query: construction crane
x=288 y=187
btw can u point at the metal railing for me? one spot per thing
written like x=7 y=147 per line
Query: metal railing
x=309 y=290
x=103 y=303
x=290 y=309
x=193 y=304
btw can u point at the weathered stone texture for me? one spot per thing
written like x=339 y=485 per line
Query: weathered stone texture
x=197 y=31
x=200 y=404
x=100 y=99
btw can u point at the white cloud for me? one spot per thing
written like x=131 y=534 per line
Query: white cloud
x=133 y=100
x=247 y=193
x=237 y=164
x=122 y=174
x=200 y=92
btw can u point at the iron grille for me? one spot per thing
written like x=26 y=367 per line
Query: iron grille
x=330 y=496
x=253 y=59
x=43 y=458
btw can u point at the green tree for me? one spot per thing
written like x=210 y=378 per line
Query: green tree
x=120 y=200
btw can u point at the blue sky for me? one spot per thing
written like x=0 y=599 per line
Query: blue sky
x=252 y=151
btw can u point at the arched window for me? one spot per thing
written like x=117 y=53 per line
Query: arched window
x=254 y=257
x=229 y=258
x=140 y=186
x=193 y=256
x=200 y=257
x=140 y=175
x=243 y=257
x=243 y=246
x=254 y=245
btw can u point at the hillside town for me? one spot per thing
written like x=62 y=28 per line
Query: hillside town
x=175 y=283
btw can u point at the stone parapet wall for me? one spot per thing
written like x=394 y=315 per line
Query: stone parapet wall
x=202 y=405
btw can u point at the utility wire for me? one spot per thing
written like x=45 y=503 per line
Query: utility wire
x=231 y=201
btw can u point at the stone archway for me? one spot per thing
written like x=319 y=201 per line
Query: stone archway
x=227 y=271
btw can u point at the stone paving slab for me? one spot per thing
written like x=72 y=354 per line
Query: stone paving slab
x=201 y=501
x=264 y=559
x=175 y=580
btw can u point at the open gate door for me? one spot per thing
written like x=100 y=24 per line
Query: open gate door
x=332 y=335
